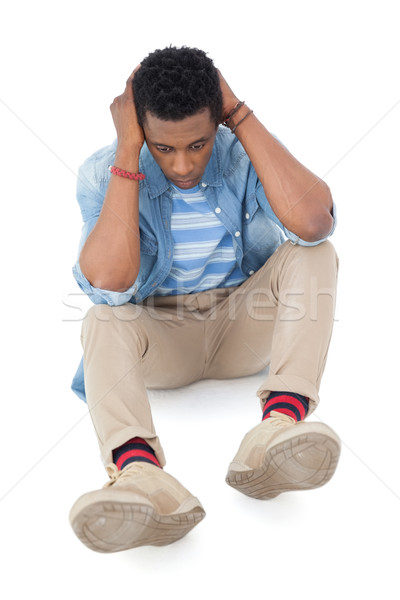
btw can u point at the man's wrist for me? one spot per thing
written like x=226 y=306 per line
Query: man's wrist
x=236 y=105
x=237 y=116
x=127 y=157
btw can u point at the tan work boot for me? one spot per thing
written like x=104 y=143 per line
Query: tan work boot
x=280 y=455
x=140 y=505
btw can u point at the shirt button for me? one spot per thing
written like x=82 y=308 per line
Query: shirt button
x=237 y=233
x=247 y=216
x=251 y=272
x=218 y=210
x=203 y=184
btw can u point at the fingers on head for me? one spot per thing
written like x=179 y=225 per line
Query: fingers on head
x=132 y=75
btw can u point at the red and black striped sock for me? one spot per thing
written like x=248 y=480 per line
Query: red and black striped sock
x=293 y=405
x=134 y=450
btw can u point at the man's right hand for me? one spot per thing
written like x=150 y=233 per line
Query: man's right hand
x=129 y=132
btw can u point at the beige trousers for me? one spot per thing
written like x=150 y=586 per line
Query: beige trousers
x=282 y=316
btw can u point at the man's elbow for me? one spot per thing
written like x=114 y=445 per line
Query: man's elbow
x=116 y=286
x=318 y=228
x=321 y=221
x=111 y=282
x=113 y=285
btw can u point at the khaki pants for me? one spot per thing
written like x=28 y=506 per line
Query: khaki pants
x=282 y=316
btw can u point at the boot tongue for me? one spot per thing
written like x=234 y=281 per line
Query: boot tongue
x=116 y=475
x=284 y=419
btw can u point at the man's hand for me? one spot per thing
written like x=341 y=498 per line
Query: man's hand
x=129 y=132
x=229 y=100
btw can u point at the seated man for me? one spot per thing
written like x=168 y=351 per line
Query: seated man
x=204 y=250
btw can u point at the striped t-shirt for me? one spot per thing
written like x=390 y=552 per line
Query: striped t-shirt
x=203 y=254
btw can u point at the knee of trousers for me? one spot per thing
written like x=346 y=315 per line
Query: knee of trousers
x=103 y=315
x=325 y=249
x=323 y=254
x=321 y=258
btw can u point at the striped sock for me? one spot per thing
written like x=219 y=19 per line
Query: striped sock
x=293 y=405
x=134 y=450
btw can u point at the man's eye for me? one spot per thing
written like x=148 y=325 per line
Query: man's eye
x=197 y=147
x=163 y=149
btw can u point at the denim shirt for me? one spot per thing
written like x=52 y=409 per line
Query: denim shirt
x=233 y=191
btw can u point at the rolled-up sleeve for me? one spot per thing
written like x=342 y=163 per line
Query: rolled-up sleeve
x=98 y=295
x=90 y=199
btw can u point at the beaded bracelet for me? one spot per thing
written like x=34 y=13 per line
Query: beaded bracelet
x=126 y=174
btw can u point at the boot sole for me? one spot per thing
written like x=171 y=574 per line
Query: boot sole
x=113 y=526
x=303 y=462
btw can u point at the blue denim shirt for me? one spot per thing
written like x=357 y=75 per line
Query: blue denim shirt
x=232 y=189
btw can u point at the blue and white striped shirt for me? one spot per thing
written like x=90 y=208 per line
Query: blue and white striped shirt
x=203 y=253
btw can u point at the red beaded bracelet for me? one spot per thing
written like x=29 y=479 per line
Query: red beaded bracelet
x=126 y=174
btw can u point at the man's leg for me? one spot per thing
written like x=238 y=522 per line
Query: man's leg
x=282 y=316
x=127 y=349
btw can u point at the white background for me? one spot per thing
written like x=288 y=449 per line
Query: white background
x=323 y=76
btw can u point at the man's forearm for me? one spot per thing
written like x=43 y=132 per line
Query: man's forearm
x=301 y=201
x=110 y=258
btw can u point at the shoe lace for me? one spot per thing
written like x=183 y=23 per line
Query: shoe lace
x=116 y=475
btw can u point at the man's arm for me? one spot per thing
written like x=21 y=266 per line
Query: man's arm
x=300 y=200
x=110 y=258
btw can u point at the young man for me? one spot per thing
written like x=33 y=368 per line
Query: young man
x=212 y=266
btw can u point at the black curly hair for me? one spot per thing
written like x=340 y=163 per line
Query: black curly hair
x=175 y=83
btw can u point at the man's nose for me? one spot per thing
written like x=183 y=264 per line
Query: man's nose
x=182 y=165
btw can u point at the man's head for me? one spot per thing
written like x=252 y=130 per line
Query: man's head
x=179 y=105
x=175 y=83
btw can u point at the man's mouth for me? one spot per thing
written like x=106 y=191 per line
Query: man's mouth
x=186 y=183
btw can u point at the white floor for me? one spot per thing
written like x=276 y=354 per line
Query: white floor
x=321 y=76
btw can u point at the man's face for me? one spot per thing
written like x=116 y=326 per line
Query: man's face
x=183 y=148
